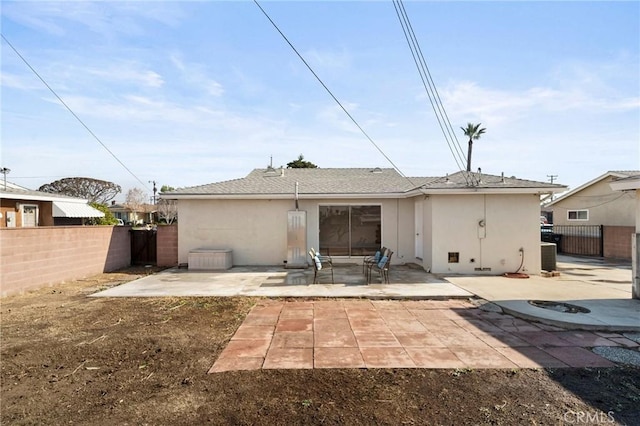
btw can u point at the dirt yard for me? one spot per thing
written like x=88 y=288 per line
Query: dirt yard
x=70 y=359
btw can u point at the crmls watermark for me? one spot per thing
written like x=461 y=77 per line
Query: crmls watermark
x=588 y=417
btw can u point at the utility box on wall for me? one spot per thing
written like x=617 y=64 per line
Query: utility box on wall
x=296 y=239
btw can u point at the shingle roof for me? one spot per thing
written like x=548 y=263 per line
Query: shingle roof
x=482 y=180
x=345 y=181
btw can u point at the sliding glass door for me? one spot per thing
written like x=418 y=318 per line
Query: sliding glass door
x=350 y=230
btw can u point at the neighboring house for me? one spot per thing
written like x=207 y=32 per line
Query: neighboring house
x=595 y=203
x=462 y=223
x=147 y=213
x=21 y=207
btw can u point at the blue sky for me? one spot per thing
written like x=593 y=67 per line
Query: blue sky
x=189 y=93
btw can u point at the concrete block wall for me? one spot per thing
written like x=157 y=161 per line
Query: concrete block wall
x=617 y=241
x=35 y=257
x=167 y=245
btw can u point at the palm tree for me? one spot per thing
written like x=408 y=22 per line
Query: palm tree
x=473 y=131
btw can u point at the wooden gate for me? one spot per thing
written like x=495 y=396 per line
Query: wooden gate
x=143 y=247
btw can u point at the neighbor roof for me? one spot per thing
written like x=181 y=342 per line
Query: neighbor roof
x=616 y=174
x=16 y=192
x=63 y=206
x=351 y=182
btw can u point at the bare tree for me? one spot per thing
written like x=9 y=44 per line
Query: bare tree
x=168 y=210
x=94 y=190
x=135 y=201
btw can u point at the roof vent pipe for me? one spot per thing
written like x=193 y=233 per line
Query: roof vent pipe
x=502 y=177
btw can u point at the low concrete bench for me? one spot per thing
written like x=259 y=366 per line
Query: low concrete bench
x=210 y=259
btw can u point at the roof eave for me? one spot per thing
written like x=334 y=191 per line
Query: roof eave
x=34 y=197
x=585 y=185
x=301 y=196
x=486 y=190
x=625 y=185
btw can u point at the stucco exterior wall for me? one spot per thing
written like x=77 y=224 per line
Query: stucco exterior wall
x=637 y=223
x=510 y=222
x=606 y=206
x=256 y=230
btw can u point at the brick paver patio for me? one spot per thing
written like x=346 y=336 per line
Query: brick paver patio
x=402 y=334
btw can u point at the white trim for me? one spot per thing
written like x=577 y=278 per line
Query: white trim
x=35 y=197
x=626 y=184
x=37 y=215
x=356 y=196
x=577 y=211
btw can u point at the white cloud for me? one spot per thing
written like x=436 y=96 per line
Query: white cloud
x=197 y=75
x=468 y=99
x=107 y=18
x=128 y=72
x=22 y=82
x=328 y=59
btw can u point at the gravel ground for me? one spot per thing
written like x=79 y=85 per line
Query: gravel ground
x=617 y=354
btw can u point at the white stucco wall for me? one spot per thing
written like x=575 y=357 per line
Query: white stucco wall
x=256 y=230
x=637 y=211
x=511 y=222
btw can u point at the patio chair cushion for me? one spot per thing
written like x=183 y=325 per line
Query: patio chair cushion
x=376 y=257
x=383 y=262
x=318 y=263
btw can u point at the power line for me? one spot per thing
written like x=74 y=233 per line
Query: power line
x=72 y=113
x=331 y=93
x=430 y=87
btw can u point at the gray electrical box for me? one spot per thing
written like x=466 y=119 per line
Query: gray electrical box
x=548 y=251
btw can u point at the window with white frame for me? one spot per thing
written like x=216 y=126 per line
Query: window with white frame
x=578 y=214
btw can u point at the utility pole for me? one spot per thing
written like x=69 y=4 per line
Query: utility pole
x=5 y=171
x=155 y=190
x=551 y=179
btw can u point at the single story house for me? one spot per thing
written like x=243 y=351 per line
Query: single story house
x=21 y=207
x=146 y=213
x=460 y=223
x=595 y=203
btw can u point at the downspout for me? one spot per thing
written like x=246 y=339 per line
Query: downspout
x=296 y=196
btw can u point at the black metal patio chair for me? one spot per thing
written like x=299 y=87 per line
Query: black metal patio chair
x=319 y=267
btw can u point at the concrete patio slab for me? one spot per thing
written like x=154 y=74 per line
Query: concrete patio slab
x=407 y=282
x=602 y=287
